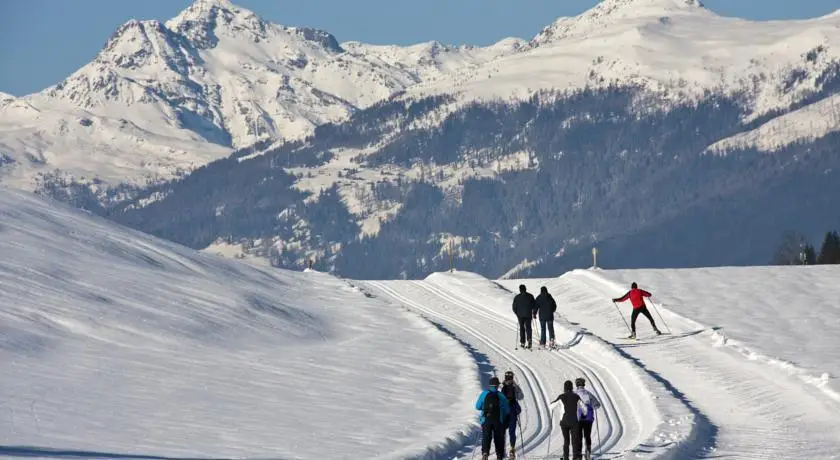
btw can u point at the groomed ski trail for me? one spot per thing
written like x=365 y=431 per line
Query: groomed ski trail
x=756 y=411
x=635 y=406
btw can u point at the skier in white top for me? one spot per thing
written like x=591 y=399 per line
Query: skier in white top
x=587 y=418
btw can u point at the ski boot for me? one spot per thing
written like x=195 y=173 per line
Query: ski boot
x=552 y=344
x=485 y=456
x=658 y=332
x=512 y=453
x=632 y=336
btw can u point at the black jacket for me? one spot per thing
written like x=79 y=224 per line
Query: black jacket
x=546 y=304
x=524 y=305
x=571 y=404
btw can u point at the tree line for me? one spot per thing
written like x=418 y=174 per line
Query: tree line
x=795 y=249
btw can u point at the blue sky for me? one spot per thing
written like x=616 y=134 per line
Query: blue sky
x=43 y=41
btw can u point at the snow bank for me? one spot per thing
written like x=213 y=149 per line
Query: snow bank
x=114 y=343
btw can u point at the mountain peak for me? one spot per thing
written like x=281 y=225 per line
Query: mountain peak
x=616 y=11
x=201 y=21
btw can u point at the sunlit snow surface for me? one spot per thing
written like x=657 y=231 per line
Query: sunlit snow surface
x=113 y=342
x=786 y=316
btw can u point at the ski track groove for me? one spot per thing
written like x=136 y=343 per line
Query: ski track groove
x=768 y=433
x=612 y=438
x=526 y=371
x=613 y=433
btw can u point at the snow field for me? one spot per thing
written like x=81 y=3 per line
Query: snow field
x=116 y=343
x=785 y=316
x=745 y=409
x=640 y=416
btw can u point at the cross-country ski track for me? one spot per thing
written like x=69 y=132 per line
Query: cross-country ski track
x=635 y=404
x=750 y=410
x=677 y=396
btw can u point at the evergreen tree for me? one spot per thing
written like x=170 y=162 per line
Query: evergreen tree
x=830 y=251
x=810 y=255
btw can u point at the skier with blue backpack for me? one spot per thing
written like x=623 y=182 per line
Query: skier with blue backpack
x=586 y=418
x=494 y=412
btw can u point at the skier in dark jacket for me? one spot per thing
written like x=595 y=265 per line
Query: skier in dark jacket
x=524 y=306
x=546 y=306
x=514 y=394
x=494 y=410
x=636 y=297
x=572 y=406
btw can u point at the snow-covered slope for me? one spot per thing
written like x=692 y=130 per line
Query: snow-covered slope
x=675 y=48
x=803 y=125
x=785 y=316
x=746 y=405
x=5 y=99
x=39 y=136
x=113 y=343
x=215 y=77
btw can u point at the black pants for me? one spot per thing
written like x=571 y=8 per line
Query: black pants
x=575 y=434
x=525 y=329
x=543 y=324
x=635 y=315
x=493 y=431
x=586 y=431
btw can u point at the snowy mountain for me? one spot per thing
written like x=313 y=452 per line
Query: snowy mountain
x=676 y=49
x=617 y=126
x=166 y=96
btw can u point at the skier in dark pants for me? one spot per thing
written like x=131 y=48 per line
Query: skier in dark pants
x=572 y=405
x=546 y=306
x=524 y=306
x=586 y=421
x=494 y=410
x=636 y=297
x=514 y=394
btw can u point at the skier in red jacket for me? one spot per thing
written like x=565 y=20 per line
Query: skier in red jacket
x=636 y=297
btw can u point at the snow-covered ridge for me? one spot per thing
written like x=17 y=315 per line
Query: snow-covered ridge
x=172 y=353
x=218 y=77
x=674 y=48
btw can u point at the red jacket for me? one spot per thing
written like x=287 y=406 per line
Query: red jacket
x=636 y=297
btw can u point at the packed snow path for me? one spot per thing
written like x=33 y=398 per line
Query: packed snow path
x=754 y=411
x=477 y=312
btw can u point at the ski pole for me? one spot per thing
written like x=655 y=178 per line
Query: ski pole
x=622 y=317
x=521 y=438
x=598 y=433
x=550 y=430
x=660 y=316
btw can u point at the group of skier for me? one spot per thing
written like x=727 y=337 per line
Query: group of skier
x=500 y=403
x=527 y=308
x=500 y=409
